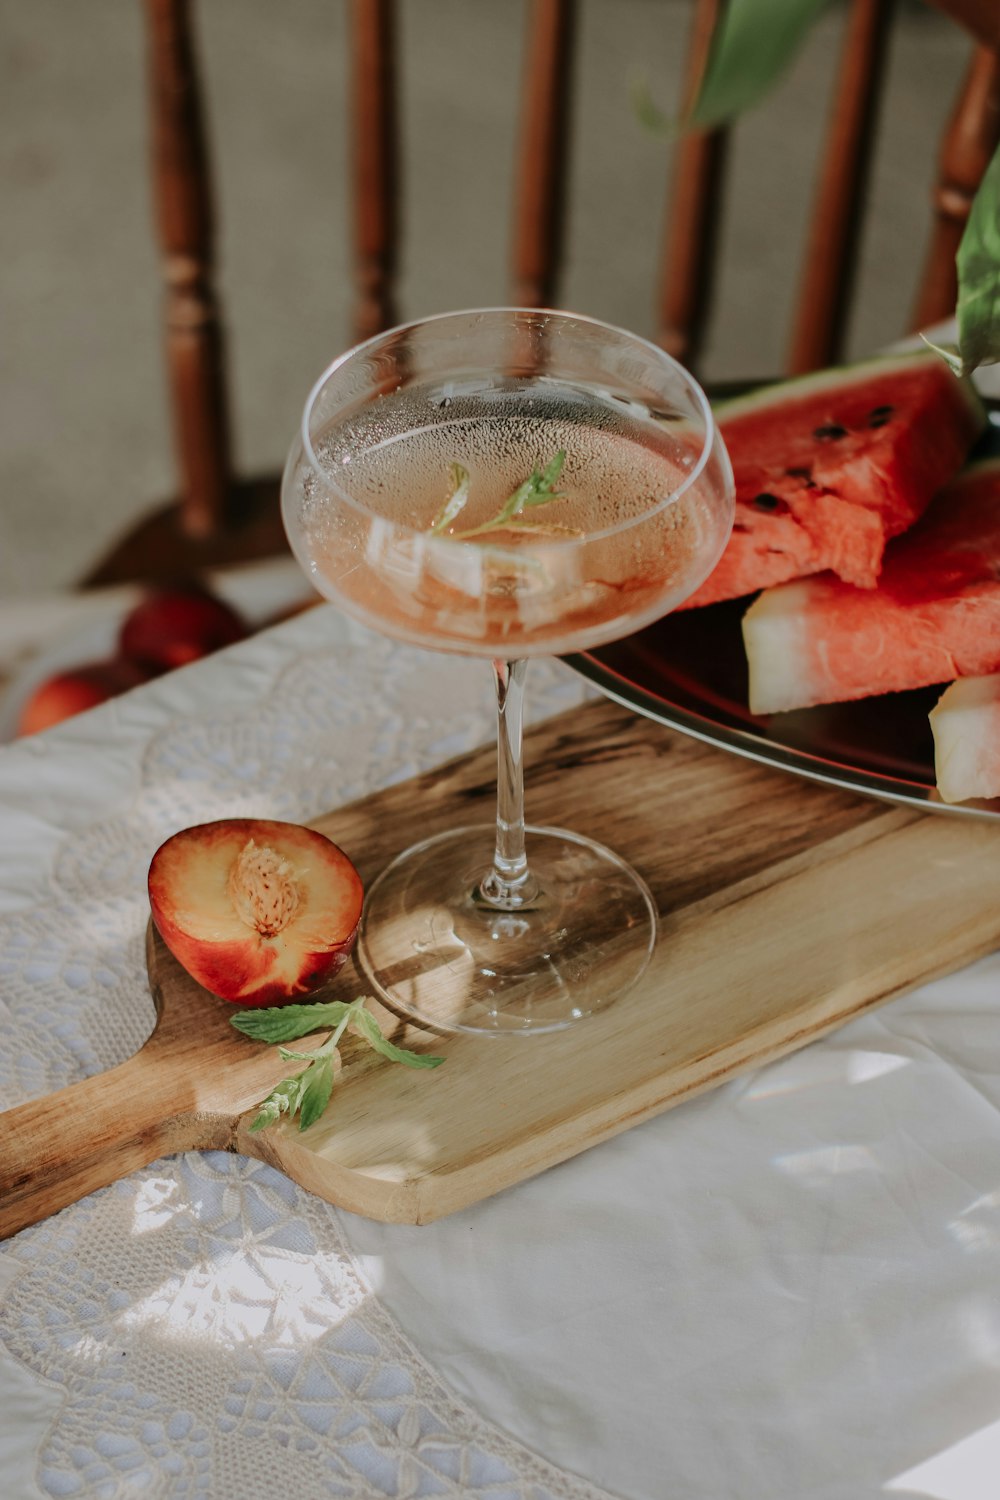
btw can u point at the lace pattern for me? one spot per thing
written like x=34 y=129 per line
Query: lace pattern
x=317 y=737
x=205 y=1319
x=249 y=1357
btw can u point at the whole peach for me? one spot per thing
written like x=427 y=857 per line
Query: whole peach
x=175 y=626
x=67 y=693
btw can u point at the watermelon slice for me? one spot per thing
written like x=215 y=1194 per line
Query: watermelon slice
x=831 y=466
x=935 y=614
x=966 y=725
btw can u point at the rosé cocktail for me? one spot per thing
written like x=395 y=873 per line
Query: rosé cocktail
x=507 y=483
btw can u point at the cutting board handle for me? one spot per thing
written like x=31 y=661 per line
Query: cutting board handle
x=57 y=1149
x=185 y=1090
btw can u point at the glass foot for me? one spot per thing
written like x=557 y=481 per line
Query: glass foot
x=434 y=950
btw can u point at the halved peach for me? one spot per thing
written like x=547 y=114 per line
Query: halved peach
x=259 y=912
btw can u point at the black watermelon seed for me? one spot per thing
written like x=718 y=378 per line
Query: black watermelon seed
x=805 y=475
x=878 y=421
x=830 y=431
x=881 y=411
x=773 y=504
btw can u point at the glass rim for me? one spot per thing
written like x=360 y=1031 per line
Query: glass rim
x=702 y=401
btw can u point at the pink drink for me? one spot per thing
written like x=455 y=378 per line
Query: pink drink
x=637 y=530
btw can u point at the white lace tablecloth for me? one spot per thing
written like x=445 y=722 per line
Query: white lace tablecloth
x=786 y=1289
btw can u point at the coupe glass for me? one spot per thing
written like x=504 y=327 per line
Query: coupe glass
x=504 y=483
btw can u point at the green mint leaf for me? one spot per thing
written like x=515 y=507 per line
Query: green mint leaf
x=535 y=490
x=283 y=1023
x=543 y=498
x=553 y=469
x=308 y=1093
x=290 y=1056
x=515 y=503
x=369 y=1028
x=316 y=1094
x=543 y=492
x=285 y=1097
x=456 y=501
x=265 y=1116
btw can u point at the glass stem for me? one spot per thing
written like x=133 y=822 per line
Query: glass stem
x=509 y=885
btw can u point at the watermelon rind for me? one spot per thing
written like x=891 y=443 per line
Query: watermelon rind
x=965 y=723
x=846 y=501
x=840 y=377
x=774 y=633
x=779 y=631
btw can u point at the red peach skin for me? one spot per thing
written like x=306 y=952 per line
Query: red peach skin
x=257 y=911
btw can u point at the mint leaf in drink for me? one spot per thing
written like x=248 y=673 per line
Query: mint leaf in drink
x=537 y=489
x=456 y=501
x=551 y=473
x=308 y=1093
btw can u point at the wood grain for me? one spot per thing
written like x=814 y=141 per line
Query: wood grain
x=183 y=1090
x=786 y=909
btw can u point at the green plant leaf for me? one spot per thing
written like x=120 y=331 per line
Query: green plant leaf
x=285 y=1097
x=979 y=276
x=753 y=43
x=308 y=1093
x=456 y=501
x=317 y=1091
x=543 y=491
x=553 y=469
x=288 y=1055
x=283 y=1023
x=535 y=490
x=369 y=1028
x=515 y=503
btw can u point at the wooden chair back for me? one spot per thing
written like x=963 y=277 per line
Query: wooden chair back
x=220 y=518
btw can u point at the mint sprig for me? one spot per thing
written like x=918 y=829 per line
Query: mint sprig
x=456 y=501
x=537 y=489
x=308 y=1093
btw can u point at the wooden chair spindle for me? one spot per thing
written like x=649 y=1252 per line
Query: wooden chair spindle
x=376 y=163
x=692 y=213
x=543 y=152
x=969 y=143
x=193 y=333
x=224 y=519
x=831 y=250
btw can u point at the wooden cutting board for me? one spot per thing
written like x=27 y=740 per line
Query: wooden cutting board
x=786 y=909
